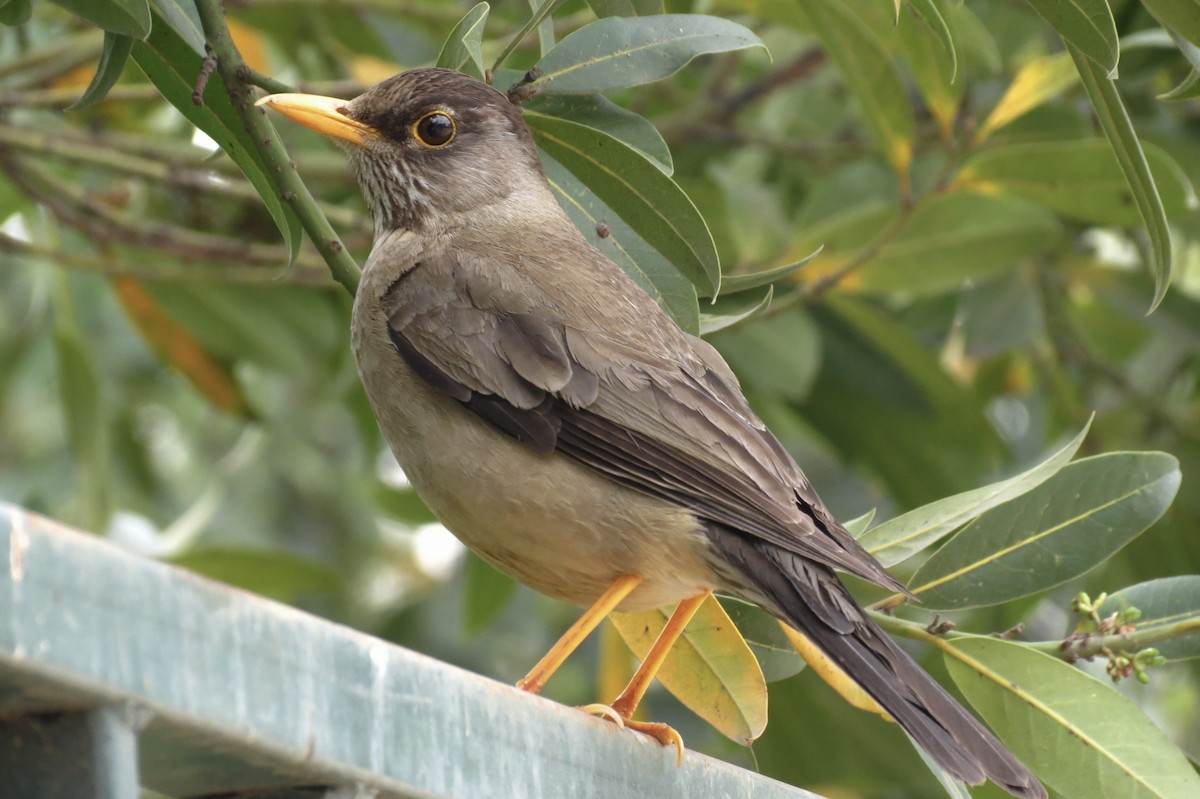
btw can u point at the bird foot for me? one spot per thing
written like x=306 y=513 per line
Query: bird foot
x=663 y=733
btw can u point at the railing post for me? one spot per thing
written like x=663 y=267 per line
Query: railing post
x=78 y=754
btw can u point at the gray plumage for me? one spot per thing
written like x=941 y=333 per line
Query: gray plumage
x=569 y=432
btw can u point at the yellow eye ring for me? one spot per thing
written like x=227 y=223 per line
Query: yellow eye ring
x=435 y=129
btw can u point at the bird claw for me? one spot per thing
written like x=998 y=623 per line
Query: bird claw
x=663 y=733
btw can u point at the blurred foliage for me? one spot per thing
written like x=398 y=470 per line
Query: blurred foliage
x=996 y=213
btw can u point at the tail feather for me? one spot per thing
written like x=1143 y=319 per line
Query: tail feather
x=810 y=597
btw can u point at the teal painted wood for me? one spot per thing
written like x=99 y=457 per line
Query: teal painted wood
x=237 y=692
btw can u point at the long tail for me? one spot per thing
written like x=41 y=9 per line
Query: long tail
x=810 y=597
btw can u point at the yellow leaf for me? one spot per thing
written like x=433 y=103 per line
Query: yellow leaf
x=1037 y=82
x=831 y=673
x=710 y=669
x=176 y=346
x=370 y=70
x=616 y=666
x=250 y=44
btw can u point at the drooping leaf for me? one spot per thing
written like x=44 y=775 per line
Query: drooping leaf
x=1081 y=737
x=1179 y=16
x=182 y=18
x=779 y=354
x=112 y=63
x=1078 y=179
x=731 y=284
x=1165 y=602
x=931 y=14
x=648 y=201
x=831 y=672
x=618 y=240
x=871 y=74
x=901 y=537
x=15 y=12
x=625 y=8
x=1062 y=528
x=597 y=111
x=126 y=17
x=272 y=573
x=486 y=594
x=80 y=399
x=880 y=382
x=401 y=504
x=279 y=327
x=731 y=309
x=1086 y=24
x=465 y=43
x=771 y=647
x=1117 y=126
x=710 y=669
x=957 y=237
x=615 y=52
x=178 y=348
x=172 y=64
x=927 y=47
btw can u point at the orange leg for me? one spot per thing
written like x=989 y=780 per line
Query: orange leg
x=577 y=632
x=622 y=709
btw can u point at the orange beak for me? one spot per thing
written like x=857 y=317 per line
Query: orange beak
x=326 y=115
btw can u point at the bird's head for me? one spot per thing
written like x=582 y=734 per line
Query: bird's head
x=428 y=146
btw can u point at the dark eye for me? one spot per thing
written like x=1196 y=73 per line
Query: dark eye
x=435 y=129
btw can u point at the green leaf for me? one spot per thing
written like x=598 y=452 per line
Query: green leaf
x=1165 y=602
x=871 y=74
x=903 y=536
x=402 y=504
x=126 y=17
x=465 y=42
x=1078 y=179
x=734 y=308
x=771 y=647
x=647 y=200
x=710 y=669
x=780 y=354
x=272 y=573
x=597 y=111
x=1081 y=737
x=79 y=395
x=280 y=327
x=625 y=8
x=182 y=18
x=880 y=382
x=1189 y=87
x=732 y=284
x=15 y=12
x=930 y=52
x=1110 y=110
x=486 y=594
x=929 y=12
x=108 y=71
x=1178 y=16
x=1086 y=24
x=169 y=58
x=615 y=52
x=1069 y=524
x=954 y=238
x=622 y=244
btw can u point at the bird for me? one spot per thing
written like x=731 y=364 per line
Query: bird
x=569 y=432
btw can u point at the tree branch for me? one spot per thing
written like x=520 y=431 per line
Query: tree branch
x=280 y=167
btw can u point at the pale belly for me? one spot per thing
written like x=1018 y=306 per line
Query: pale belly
x=545 y=520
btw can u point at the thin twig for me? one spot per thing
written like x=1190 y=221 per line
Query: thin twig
x=280 y=167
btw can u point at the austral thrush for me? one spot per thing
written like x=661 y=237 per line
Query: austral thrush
x=568 y=431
